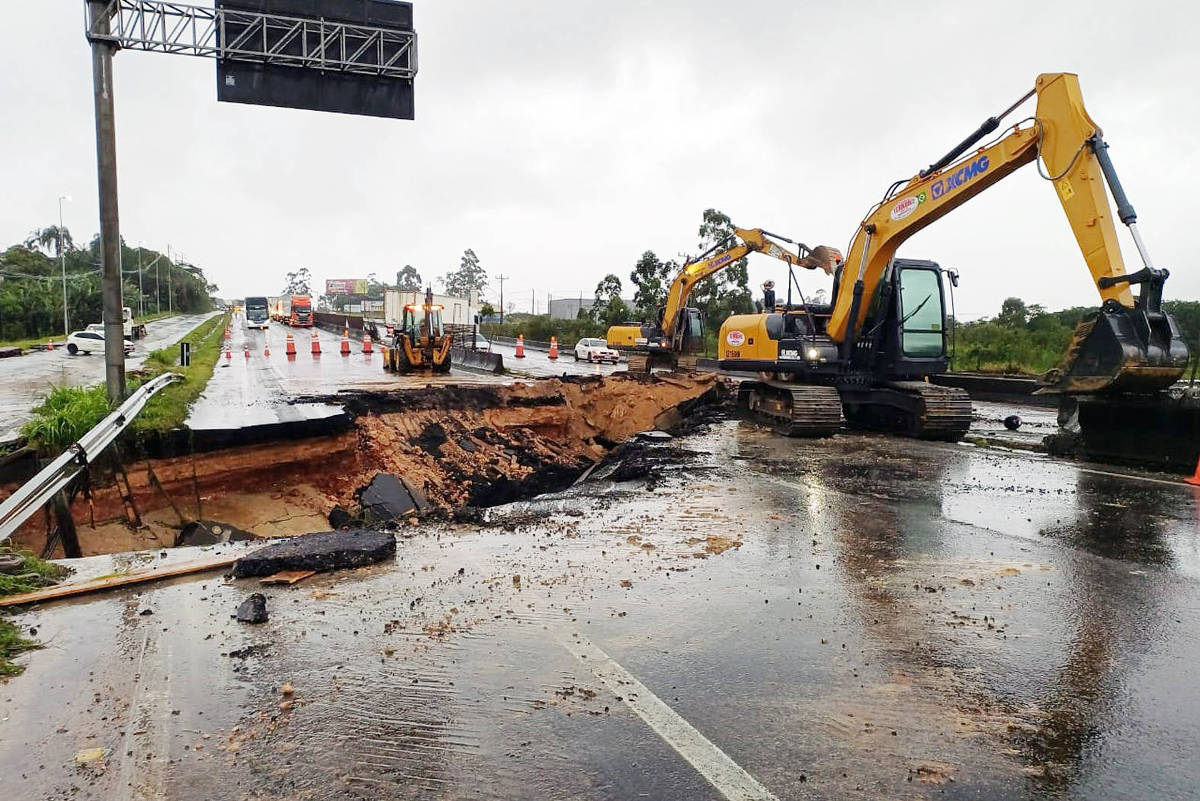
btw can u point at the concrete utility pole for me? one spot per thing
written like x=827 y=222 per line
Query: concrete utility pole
x=110 y=226
x=62 y=259
x=501 y=279
x=141 y=311
x=170 y=307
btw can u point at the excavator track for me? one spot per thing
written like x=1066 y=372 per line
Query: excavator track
x=794 y=410
x=945 y=412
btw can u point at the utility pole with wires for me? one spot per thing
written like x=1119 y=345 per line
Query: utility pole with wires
x=170 y=308
x=501 y=279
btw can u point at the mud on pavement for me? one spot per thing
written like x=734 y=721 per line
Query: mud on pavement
x=448 y=447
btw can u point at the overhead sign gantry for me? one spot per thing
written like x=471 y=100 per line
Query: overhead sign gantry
x=344 y=56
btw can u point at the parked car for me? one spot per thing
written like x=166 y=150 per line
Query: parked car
x=87 y=341
x=595 y=350
x=481 y=343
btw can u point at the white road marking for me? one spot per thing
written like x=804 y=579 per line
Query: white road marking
x=713 y=764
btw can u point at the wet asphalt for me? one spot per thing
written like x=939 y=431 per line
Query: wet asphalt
x=25 y=380
x=900 y=620
x=251 y=388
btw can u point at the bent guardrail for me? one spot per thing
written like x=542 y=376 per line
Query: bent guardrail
x=37 y=491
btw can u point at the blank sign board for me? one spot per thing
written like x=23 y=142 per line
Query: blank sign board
x=322 y=55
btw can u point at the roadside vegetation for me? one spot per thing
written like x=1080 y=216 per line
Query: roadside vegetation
x=31 y=292
x=69 y=412
x=31 y=574
x=1030 y=340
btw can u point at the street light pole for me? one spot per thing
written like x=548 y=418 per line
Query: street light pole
x=62 y=259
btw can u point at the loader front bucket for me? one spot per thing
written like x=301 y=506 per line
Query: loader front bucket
x=1120 y=350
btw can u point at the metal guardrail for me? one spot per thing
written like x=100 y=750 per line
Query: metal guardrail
x=35 y=493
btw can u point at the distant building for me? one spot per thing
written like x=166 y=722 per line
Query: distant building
x=568 y=308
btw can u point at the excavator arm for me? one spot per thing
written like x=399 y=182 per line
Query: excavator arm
x=1128 y=345
x=753 y=240
x=1070 y=147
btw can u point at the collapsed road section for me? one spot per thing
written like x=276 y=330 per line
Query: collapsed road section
x=411 y=453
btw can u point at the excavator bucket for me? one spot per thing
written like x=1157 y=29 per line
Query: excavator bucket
x=1120 y=350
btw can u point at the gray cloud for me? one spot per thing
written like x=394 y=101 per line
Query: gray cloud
x=560 y=140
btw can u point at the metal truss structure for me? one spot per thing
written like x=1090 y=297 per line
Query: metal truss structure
x=226 y=33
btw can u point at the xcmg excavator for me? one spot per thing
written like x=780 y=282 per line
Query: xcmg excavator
x=678 y=335
x=868 y=354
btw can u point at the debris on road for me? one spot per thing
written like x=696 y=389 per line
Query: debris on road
x=253 y=609
x=210 y=532
x=386 y=498
x=287 y=577
x=328 y=550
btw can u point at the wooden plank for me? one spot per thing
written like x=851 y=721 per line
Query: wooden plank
x=287 y=577
x=120 y=580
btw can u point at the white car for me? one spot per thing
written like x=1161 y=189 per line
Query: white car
x=88 y=341
x=481 y=342
x=595 y=350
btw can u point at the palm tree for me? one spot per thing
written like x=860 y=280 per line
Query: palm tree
x=51 y=237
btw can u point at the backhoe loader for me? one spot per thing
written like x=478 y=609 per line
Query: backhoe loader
x=678 y=335
x=868 y=354
x=420 y=342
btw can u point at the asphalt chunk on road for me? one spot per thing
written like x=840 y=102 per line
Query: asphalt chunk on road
x=330 y=550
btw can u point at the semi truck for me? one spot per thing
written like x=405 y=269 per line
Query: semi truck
x=295 y=310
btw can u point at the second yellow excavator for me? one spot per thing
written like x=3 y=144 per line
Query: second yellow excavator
x=868 y=355
x=678 y=335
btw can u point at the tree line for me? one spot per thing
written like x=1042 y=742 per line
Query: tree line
x=31 y=284
x=1026 y=338
x=720 y=295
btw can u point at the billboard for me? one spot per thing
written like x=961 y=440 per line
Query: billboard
x=345 y=286
x=284 y=83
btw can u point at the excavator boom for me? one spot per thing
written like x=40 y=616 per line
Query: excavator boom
x=1141 y=349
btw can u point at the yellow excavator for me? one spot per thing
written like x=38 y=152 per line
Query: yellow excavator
x=420 y=342
x=868 y=355
x=678 y=335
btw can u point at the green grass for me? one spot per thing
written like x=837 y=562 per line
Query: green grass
x=70 y=412
x=29 y=342
x=149 y=318
x=11 y=644
x=65 y=415
x=169 y=408
x=33 y=574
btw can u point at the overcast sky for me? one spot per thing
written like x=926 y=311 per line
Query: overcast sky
x=560 y=139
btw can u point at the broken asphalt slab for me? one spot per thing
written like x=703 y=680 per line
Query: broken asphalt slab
x=329 y=550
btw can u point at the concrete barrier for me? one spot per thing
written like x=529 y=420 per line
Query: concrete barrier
x=479 y=360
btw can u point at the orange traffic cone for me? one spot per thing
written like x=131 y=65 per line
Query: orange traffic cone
x=267 y=347
x=49 y=344
x=246 y=349
x=228 y=354
x=290 y=349
x=520 y=346
x=1195 y=479
x=366 y=342
x=553 y=347
x=346 y=342
x=228 y=332
x=316 y=344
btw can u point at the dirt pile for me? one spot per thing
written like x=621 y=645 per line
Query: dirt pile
x=446 y=447
x=498 y=445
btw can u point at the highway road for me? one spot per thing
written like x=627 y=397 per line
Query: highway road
x=262 y=389
x=862 y=617
x=25 y=380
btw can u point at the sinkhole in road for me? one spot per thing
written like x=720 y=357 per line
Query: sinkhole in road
x=452 y=448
